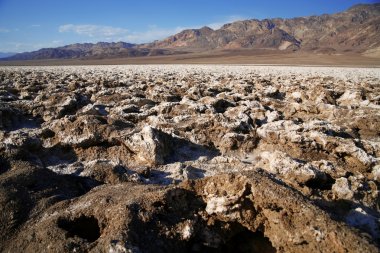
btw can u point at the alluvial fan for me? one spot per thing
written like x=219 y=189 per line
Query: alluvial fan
x=189 y=158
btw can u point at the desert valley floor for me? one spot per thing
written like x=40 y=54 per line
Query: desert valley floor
x=189 y=158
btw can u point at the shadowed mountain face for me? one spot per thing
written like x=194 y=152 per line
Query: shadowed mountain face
x=355 y=30
x=90 y=51
x=6 y=54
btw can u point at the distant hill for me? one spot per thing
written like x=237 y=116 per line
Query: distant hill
x=354 y=30
x=90 y=51
x=6 y=54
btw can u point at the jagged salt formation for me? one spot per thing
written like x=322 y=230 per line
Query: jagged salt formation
x=201 y=156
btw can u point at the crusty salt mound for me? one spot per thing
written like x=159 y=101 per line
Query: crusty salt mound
x=189 y=159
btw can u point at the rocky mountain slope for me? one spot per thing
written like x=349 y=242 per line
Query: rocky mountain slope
x=355 y=30
x=192 y=158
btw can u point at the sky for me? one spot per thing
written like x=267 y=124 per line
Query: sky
x=28 y=25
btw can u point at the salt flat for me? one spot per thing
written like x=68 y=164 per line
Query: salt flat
x=194 y=156
x=338 y=72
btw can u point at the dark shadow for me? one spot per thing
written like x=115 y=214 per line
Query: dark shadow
x=8 y=95
x=4 y=165
x=101 y=109
x=13 y=119
x=81 y=101
x=222 y=105
x=340 y=134
x=182 y=150
x=160 y=177
x=244 y=242
x=322 y=182
x=338 y=210
x=47 y=183
x=163 y=178
x=277 y=95
x=27 y=188
x=175 y=149
x=179 y=205
x=57 y=155
x=84 y=227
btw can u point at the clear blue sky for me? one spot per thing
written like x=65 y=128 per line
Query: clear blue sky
x=27 y=25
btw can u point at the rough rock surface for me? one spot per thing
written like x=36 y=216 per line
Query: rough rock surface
x=189 y=159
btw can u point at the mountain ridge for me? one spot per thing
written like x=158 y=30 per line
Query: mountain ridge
x=90 y=51
x=6 y=54
x=311 y=33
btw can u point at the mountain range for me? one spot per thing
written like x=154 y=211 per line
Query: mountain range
x=6 y=54
x=356 y=30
